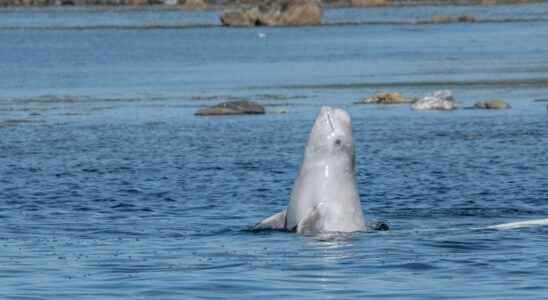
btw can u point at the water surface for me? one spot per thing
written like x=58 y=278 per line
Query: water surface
x=110 y=188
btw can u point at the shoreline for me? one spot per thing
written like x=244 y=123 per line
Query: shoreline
x=165 y=5
x=421 y=22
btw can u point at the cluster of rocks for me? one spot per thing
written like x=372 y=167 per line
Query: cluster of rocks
x=439 y=100
x=275 y=13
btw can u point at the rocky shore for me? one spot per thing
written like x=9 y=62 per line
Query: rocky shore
x=227 y=4
x=275 y=13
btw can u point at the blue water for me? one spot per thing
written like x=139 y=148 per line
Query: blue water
x=110 y=187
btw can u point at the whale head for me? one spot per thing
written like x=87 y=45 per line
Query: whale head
x=331 y=138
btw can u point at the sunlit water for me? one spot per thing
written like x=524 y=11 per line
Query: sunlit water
x=110 y=187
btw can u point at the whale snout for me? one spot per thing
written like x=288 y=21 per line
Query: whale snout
x=336 y=118
x=332 y=134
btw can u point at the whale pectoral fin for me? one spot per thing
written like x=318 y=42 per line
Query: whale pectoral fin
x=276 y=221
x=378 y=226
x=309 y=224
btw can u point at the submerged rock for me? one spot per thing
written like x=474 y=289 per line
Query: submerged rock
x=384 y=98
x=453 y=19
x=276 y=13
x=492 y=104
x=232 y=108
x=439 y=100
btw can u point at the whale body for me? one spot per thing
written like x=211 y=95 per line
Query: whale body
x=520 y=224
x=324 y=197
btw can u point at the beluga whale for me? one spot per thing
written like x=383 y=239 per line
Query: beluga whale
x=325 y=197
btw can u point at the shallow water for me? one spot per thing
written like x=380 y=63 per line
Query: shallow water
x=110 y=188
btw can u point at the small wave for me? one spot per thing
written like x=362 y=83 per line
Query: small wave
x=413 y=266
x=13 y=122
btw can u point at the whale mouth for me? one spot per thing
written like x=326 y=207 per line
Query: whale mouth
x=336 y=119
x=329 y=118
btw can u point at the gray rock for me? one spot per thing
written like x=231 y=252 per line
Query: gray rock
x=232 y=108
x=439 y=100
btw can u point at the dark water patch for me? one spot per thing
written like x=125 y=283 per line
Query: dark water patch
x=218 y=98
x=411 y=266
x=478 y=211
x=462 y=84
x=280 y=97
x=14 y=122
x=439 y=21
x=49 y=100
x=461 y=246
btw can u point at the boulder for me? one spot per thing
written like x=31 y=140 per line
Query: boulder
x=276 y=13
x=232 y=108
x=439 y=100
x=240 y=17
x=492 y=104
x=384 y=98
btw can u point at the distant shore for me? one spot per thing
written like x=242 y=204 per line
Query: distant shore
x=202 y=5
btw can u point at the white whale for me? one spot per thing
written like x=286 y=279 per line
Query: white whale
x=520 y=224
x=324 y=196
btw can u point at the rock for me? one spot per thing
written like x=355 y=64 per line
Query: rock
x=137 y=2
x=232 y=108
x=194 y=5
x=276 y=13
x=465 y=18
x=384 y=98
x=439 y=100
x=452 y=19
x=492 y=104
x=240 y=17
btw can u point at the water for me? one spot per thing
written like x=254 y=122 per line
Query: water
x=110 y=188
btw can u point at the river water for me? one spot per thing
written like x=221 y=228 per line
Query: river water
x=110 y=187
